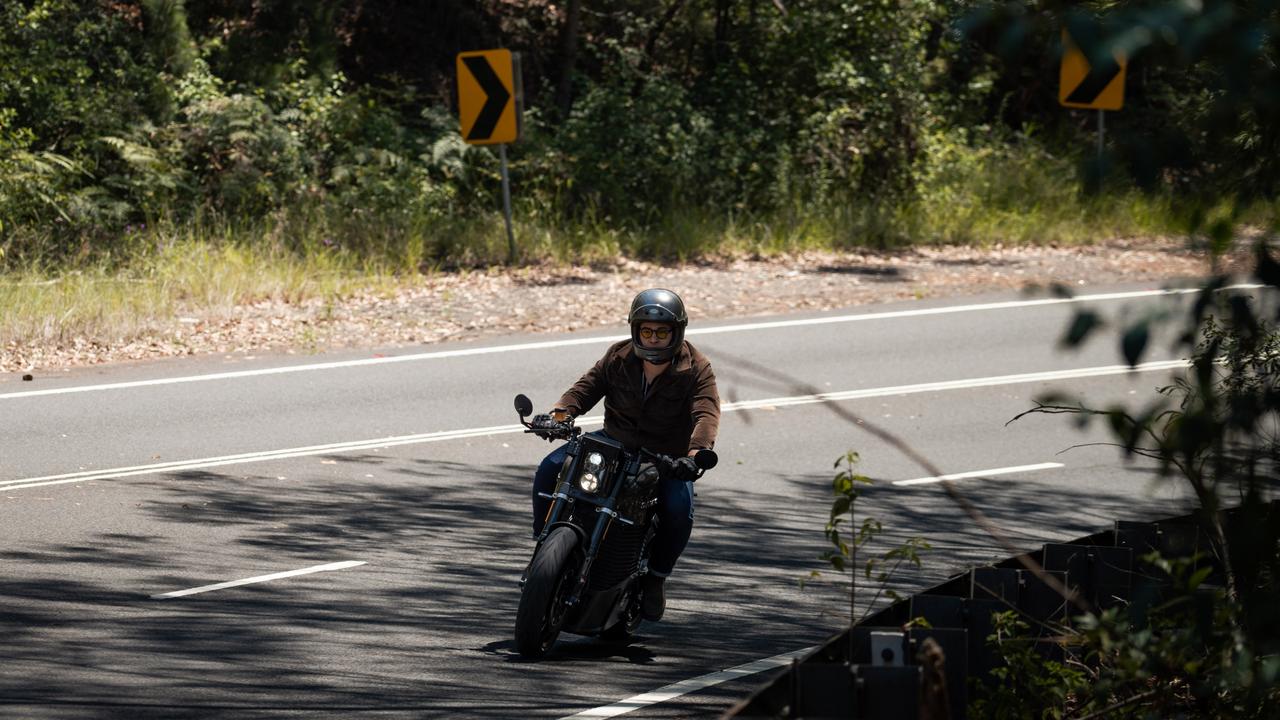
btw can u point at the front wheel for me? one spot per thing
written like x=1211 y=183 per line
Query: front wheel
x=542 y=605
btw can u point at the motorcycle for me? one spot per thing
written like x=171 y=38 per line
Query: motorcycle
x=584 y=576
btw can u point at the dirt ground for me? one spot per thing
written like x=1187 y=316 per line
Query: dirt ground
x=546 y=299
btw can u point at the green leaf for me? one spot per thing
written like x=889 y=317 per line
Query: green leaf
x=840 y=506
x=1267 y=271
x=1134 y=343
x=1084 y=323
x=1198 y=577
x=1221 y=234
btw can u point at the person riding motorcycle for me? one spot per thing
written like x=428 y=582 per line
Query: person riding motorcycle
x=660 y=394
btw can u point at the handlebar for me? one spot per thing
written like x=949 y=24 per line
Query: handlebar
x=704 y=459
x=558 y=431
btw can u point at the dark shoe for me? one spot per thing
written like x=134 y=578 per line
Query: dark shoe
x=652 y=600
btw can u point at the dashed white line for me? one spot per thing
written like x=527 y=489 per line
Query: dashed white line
x=978 y=474
x=684 y=687
x=569 y=342
x=588 y=421
x=259 y=579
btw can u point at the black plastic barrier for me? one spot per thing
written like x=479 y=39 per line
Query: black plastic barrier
x=877 y=671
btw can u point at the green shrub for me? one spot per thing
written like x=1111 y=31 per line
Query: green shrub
x=1200 y=651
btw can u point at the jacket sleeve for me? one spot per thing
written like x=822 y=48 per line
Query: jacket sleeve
x=706 y=410
x=587 y=391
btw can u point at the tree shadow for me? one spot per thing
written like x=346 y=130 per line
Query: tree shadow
x=877 y=272
x=424 y=628
x=975 y=262
x=552 y=279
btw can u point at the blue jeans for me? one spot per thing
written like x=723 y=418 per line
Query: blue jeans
x=675 y=511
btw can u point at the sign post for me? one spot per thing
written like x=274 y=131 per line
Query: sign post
x=1102 y=133
x=490 y=103
x=506 y=205
x=1092 y=87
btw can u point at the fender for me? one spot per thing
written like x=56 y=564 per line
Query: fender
x=582 y=535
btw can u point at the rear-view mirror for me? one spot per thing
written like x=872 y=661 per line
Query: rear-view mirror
x=524 y=405
x=706 y=459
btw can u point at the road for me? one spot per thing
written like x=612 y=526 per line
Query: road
x=120 y=485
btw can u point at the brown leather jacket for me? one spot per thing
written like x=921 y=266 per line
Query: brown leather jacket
x=680 y=413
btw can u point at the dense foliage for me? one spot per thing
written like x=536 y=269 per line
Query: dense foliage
x=1202 y=650
x=119 y=113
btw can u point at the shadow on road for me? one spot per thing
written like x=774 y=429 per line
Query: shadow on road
x=424 y=628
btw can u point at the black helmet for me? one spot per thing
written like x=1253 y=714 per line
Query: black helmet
x=660 y=306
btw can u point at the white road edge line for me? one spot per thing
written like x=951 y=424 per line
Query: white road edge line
x=684 y=687
x=259 y=579
x=766 y=404
x=613 y=338
x=978 y=474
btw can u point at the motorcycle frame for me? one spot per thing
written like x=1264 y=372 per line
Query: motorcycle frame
x=625 y=465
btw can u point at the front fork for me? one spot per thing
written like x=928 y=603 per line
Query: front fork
x=558 y=502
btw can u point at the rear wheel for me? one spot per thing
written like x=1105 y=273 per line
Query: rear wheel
x=542 y=606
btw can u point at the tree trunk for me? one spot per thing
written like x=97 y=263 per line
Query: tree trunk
x=568 y=58
x=651 y=43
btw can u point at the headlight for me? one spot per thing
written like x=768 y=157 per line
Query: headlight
x=595 y=460
x=589 y=482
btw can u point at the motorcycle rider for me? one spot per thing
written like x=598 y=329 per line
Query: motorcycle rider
x=660 y=394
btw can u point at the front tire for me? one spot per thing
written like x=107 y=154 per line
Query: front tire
x=542 y=608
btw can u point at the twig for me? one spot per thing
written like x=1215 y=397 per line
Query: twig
x=1054 y=410
x=1144 y=452
x=1045 y=625
x=949 y=487
x=1104 y=711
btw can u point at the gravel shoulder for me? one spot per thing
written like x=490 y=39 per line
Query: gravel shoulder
x=552 y=299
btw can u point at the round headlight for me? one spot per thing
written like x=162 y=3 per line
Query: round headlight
x=589 y=482
x=595 y=459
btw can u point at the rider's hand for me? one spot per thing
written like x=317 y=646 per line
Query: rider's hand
x=547 y=427
x=544 y=423
x=684 y=469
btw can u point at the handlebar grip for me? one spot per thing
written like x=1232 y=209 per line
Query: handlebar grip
x=558 y=431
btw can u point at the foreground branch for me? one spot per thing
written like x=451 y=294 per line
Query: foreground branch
x=953 y=492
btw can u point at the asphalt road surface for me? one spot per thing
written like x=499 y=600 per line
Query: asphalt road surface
x=399 y=483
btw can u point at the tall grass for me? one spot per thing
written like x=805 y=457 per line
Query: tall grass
x=140 y=282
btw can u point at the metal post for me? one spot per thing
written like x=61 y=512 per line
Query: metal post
x=506 y=204
x=1102 y=132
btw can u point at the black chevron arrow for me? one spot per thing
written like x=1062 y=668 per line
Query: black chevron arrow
x=497 y=95
x=1099 y=77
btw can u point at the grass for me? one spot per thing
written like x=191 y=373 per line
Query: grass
x=144 y=281
x=190 y=276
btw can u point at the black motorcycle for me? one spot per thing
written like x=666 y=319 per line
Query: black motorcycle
x=584 y=577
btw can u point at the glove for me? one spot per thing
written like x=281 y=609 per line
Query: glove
x=684 y=469
x=542 y=421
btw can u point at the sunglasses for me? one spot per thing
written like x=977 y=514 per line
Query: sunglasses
x=660 y=333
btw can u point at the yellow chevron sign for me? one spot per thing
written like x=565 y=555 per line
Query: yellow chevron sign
x=1081 y=85
x=489 y=96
